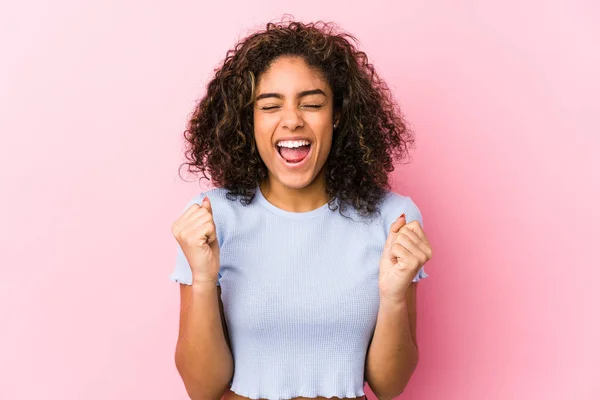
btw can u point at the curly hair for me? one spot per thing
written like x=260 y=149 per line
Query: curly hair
x=370 y=136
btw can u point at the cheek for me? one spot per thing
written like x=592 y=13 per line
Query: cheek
x=323 y=130
x=265 y=121
x=262 y=142
x=262 y=137
x=260 y=128
x=320 y=123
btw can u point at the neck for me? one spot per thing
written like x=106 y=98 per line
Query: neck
x=303 y=199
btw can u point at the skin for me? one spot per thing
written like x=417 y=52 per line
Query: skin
x=280 y=112
x=288 y=114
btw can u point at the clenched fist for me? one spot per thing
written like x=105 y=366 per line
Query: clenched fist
x=406 y=250
x=196 y=234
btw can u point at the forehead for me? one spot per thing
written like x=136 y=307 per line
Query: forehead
x=291 y=74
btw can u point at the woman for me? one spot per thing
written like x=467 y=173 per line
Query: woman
x=298 y=270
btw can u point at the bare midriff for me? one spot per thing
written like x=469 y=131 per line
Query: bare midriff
x=230 y=395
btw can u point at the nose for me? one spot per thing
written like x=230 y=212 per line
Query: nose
x=291 y=119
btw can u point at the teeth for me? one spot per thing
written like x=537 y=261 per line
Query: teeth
x=293 y=143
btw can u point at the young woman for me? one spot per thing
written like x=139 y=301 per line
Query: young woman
x=298 y=271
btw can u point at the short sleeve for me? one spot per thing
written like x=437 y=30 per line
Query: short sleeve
x=182 y=272
x=412 y=213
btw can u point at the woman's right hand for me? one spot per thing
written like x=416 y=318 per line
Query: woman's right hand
x=196 y=234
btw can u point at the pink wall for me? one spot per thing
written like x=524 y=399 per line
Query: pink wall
x=503 y=96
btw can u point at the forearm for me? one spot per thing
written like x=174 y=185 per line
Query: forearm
x=392 y=355
x=203 y=357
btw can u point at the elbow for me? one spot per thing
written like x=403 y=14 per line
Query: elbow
x=203 y=396
x=396 y=387
x=391 y=394
x=197 y=385
x=192 y=384
x=380 y=397
x=200 y=392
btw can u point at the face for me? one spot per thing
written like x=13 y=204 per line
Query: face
x=293 y=103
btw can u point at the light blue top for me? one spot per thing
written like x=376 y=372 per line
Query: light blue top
x=299 y=292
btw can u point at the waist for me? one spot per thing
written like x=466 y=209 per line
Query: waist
x=231 y=395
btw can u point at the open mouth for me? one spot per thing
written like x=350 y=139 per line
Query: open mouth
x=294 y=155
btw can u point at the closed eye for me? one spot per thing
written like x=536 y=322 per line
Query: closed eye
x=313 y=106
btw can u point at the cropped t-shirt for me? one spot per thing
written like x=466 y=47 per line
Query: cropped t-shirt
x=299 y=291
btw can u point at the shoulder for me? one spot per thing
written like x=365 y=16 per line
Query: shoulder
x=394 y=204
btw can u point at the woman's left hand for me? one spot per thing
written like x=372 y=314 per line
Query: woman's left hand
x=406 y=250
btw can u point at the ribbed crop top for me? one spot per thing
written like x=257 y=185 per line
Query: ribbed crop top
x=300 y=292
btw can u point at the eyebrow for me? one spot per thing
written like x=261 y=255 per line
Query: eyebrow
x=280 y=96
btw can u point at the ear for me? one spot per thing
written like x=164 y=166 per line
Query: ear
x=336 y=117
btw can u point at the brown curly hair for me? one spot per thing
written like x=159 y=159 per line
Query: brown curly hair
x=371 y=133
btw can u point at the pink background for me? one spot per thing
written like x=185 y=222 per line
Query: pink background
x=503 y=96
